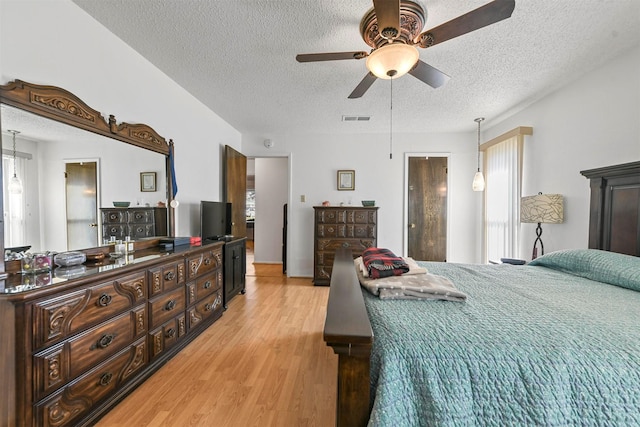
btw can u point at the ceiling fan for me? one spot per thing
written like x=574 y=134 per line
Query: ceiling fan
x=393 y=30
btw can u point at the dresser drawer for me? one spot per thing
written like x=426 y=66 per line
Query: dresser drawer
x=114 y=216
x=346 y=216
x=166 y=306
x=362 y=216
x=60 y=317
x=117 y=230
x=166 y=276
x=65 y=361
x=203 y=286
x=140 y=216
x=205 y=308
x=322 y=273
x=330 y=245
x=78 y=398
x=204 y=262
x=163 y=338
x=138 y=231
x=345 y=231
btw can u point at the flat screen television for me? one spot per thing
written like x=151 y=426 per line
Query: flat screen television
x=215 y=220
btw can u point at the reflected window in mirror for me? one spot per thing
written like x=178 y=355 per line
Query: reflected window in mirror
x=14 y=202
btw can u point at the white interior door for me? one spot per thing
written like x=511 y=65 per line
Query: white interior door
x=82 y=204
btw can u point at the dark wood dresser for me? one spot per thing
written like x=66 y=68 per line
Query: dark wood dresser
x=355 y=228
x=135 y=222
x=235 y=268
x=74 y=342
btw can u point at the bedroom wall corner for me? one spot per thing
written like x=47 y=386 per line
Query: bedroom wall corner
x=589 y=123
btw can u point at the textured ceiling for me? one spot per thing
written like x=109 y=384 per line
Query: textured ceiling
x=238 y=58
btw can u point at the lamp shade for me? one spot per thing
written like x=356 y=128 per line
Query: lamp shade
x=396 y=57
x=542 y=208
x=478 y=182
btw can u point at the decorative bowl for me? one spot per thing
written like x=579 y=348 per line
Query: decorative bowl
x=368 y=203
x=121 y=204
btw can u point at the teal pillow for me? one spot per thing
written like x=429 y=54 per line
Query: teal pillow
x=602 y=266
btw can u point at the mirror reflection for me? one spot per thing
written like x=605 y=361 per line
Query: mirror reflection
x=66 y=175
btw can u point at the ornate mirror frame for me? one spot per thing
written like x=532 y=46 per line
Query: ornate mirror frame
x=63 y=106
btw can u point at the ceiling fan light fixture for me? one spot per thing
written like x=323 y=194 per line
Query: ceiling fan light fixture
x=392 y=60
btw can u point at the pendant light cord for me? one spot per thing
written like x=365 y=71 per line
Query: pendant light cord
x=478 y=145
x=478 y=120
x=14 y=132
x=14 y=154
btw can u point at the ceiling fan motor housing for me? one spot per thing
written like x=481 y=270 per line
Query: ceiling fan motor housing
x=413 y=17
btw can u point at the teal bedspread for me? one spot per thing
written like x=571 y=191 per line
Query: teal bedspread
x=531 y=346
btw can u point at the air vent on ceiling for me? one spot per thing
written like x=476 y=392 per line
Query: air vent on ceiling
x=356 y=118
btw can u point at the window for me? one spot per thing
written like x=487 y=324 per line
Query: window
x=503 y=175
x=15 y=231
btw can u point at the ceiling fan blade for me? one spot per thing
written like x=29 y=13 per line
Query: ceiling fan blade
x=485 y=15
x=334 y=56
x=428 y=74
x=363 y=86
x=388 y=17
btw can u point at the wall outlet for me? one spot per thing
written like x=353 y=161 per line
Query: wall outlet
x=303 y=198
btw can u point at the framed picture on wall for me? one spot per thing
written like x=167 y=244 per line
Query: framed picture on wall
x=346 y=180
x=147 y=181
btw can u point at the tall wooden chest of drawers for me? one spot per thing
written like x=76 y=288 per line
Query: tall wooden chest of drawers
x=135 y=222
x=341 y=226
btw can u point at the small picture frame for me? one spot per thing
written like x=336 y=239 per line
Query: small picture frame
x=147 y=181
x=346 y=180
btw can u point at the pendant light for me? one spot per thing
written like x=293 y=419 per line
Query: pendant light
x=15 y=186
x=478 y=178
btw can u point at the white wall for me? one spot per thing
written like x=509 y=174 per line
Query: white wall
x=57 y=43
x=272 y=193
x=317 y=158
x=590 y=123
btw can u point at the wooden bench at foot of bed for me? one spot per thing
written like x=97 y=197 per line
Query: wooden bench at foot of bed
x=348 y=331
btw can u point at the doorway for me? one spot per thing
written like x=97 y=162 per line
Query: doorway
x=427 y=205
x=271 y=194
x=81 y=189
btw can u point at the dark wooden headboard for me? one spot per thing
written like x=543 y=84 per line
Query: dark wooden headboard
x=614 y=212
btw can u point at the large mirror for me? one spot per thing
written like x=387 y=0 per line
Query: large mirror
x=70 y=163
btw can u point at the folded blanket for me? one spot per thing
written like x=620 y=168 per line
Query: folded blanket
x=414 y=267
x=418 y=286
x=381 y=262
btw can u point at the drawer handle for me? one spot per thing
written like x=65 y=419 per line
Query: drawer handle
x=104 y=300
x=207 y=261
x=104 y=342
x=170 y=276
x=345 y=245
x=207 y=284
x=170 y=305
x=236 y=257
x=170 y=333
x=208 y=307
x=105 y=379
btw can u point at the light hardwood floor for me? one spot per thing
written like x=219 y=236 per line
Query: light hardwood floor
x=264 y=363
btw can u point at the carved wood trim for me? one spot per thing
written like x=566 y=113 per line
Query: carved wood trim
x=59 y=104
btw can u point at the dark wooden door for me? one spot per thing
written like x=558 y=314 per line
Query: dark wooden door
x=235 y=187
x=427 y=208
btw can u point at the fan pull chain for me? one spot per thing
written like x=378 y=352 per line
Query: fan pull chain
x=391 y=122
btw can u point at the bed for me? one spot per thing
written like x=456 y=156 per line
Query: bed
x=554 y=342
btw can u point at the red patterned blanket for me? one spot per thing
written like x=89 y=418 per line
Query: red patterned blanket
x=381 y=262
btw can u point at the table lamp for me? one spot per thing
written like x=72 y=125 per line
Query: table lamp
x=541 y=208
